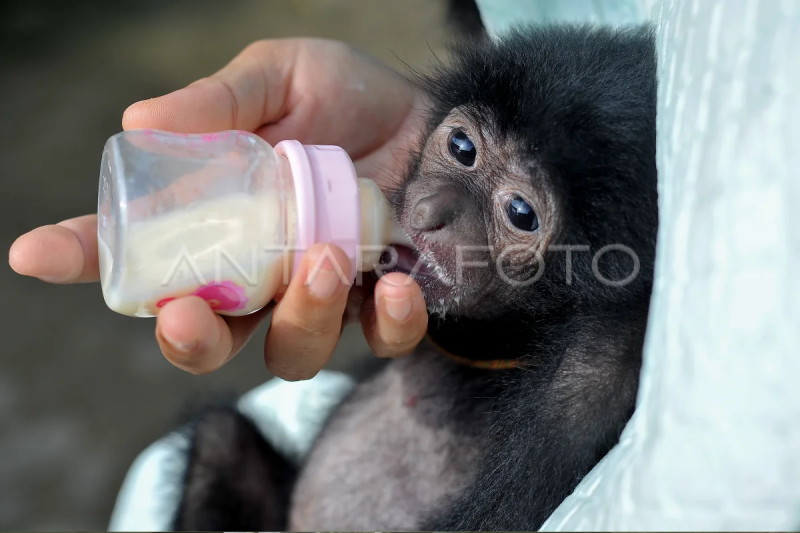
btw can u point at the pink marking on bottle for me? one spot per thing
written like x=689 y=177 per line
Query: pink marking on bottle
x=165 y=301
x=211 y=137
x=225 y=296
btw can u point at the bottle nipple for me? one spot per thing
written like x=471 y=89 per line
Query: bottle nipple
x=379 y=226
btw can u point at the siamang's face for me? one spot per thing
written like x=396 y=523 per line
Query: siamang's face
x=480 y=218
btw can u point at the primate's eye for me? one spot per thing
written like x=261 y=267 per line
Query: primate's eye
x=521 y=214
x=462 y=148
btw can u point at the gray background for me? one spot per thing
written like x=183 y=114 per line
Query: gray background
x=83 y=390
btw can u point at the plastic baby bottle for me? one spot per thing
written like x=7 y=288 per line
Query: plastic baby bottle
x=226 y=217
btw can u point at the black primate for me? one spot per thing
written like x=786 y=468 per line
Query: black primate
x=538 y=141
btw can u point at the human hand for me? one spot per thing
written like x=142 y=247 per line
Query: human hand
x=314 y=91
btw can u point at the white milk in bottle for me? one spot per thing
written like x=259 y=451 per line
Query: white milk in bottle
x=225 y=217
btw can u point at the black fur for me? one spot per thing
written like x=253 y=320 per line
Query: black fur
x=235 y=480
x=576 y=106
x=581 y=103
x=465 y=17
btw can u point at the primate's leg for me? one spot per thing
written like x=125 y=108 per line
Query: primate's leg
x=234 y=480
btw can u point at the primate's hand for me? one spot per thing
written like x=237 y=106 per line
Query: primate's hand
x=314 y=91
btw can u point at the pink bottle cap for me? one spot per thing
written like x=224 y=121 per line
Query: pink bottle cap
x=328 y=201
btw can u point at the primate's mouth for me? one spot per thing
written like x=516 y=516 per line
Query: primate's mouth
x=439 y=292
x=408 y=261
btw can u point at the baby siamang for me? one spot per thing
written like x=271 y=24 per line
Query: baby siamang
x=531 y=203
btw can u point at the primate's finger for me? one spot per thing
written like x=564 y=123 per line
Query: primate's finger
x=307 y=321
x=396 y=319
x=248 y=92
x=62 y=253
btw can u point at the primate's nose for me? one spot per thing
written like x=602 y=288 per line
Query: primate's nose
x=436 y=211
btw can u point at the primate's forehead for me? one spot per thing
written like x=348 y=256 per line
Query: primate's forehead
x=481 y=117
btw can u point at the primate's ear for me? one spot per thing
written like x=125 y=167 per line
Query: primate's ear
x=234 y=480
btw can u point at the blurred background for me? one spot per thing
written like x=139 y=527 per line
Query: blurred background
x=83 y=390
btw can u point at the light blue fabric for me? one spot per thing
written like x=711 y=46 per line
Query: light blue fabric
x=499 y=15
x=150 y=493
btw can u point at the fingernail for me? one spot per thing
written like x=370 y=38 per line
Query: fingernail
x=398 y=308
x=323 y=283
x=180 y=347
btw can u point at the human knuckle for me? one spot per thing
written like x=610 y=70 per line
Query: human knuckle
x=313 y=327
x=258 y=47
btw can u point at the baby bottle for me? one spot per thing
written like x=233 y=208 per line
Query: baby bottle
x=226 y=217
